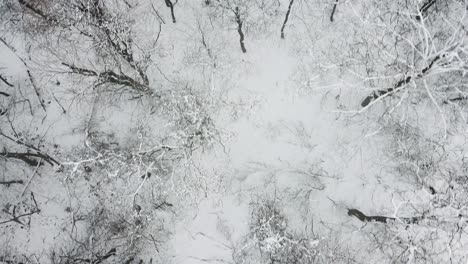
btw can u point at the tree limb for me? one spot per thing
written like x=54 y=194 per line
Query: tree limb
x=389 y=91
x=5 y=81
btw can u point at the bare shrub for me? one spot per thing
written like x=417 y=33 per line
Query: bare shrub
x=270 y=241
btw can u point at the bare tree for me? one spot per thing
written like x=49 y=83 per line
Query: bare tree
x=247 y=15
x=269 y=241
x=120 y=61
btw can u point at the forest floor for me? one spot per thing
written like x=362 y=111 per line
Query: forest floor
x=281 y=141
x=277 y=145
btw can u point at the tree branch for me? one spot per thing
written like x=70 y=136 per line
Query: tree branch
x=389 y=91
x=5 y=81
x=28 y=158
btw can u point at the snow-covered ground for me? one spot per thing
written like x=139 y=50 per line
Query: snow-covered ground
x=287 y=146
x=180 y=172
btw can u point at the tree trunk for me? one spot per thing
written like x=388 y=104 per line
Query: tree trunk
x=424 y=8
x=333 y=10
x=171 y=6
x=8 y=183
x=381 y=219
x=239 y=29
x=286 y=18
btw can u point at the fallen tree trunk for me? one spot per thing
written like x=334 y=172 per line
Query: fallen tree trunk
x=8 y=183
x=382 y=219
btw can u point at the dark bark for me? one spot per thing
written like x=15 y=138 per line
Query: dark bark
x=17 y=218
x=8 y=183
x=162 y=205
x=4 y=80
x=146 y=175
x=98 y=259
x=31 y=147
x=30 y=158
x=94 y=9
x=124 y=50
x=382 y=219
x=37 y=11
x=31 y=78
x=239 y=29
x=109 y=77
x=109 y=254
x=171 y=6
x=424 y=8
x=286 y=18
x=80 y=71
x=389 y=91
x=122 y=46
x=333 y=10
x=456 y=99
x=122 y=79
x=36 y=90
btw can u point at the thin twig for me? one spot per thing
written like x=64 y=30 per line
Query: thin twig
x=31 y=178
